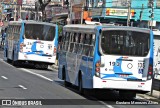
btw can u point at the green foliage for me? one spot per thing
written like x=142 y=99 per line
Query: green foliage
x=60 y=29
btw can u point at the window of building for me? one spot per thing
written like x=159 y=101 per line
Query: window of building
x=158 y=4
x=119 y=3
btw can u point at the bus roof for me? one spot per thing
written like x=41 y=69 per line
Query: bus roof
x=82 y=27
x=30 y=22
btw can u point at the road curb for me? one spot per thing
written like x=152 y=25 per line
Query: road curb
x=149 y=97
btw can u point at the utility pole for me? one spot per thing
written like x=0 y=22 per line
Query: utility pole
x=20 y=9
x=15 y=12
x=82 y=14
x=141 y=12
x=152 y=17
x=68 y=2
x=129 y=13
x=152 y=13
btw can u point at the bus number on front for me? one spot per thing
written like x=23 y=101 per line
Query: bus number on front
x=141 y=65
x=114 y=63
x=29 y=43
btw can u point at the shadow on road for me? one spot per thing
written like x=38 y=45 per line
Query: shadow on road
x=104 y=95
x=29 y=66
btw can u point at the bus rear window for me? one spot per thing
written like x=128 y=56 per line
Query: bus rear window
x=123 y=42
x=40 y=32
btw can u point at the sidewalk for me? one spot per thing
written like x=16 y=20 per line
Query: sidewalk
x=155 y=94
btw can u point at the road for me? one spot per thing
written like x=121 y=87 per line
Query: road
x=29 y=83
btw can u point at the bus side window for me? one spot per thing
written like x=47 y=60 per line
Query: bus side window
x=93 y=39
x=90 y=39
x=64 y=36
x=80 y=48
x=74 y=37
x=87 y=39
x=79 y=37
x=71 y=36
x=71 y=47
x=68 y=37
x=66 y=46
x=76 y=45
x=85 y=50
x=82 y=38
x=91 y=51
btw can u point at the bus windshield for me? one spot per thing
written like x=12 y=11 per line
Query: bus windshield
x=125 y=42
x=39 y=32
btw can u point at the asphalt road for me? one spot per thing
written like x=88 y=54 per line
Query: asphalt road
x=28 y=83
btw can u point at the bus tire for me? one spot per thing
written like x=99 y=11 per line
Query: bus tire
x=80 y=84
x=66 y=83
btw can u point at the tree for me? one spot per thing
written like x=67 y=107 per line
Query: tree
x=43 y=4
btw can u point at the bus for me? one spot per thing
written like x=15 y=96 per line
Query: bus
x=156 y=67
x=107 y=57
x=32 y=42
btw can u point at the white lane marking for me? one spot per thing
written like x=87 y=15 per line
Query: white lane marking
x=39 y=75
x=28 y=71
x=107 y=105
x=21 y=86
x=5 y=62
x=4 y=77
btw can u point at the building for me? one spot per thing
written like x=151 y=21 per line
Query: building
x=143 y=13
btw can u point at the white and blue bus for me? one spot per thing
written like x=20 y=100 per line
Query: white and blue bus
x=107 y=57
x=31 y=41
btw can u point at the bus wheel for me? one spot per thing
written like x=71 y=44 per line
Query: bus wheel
x=66 y=84
x=127 y=95
x=80 y=85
